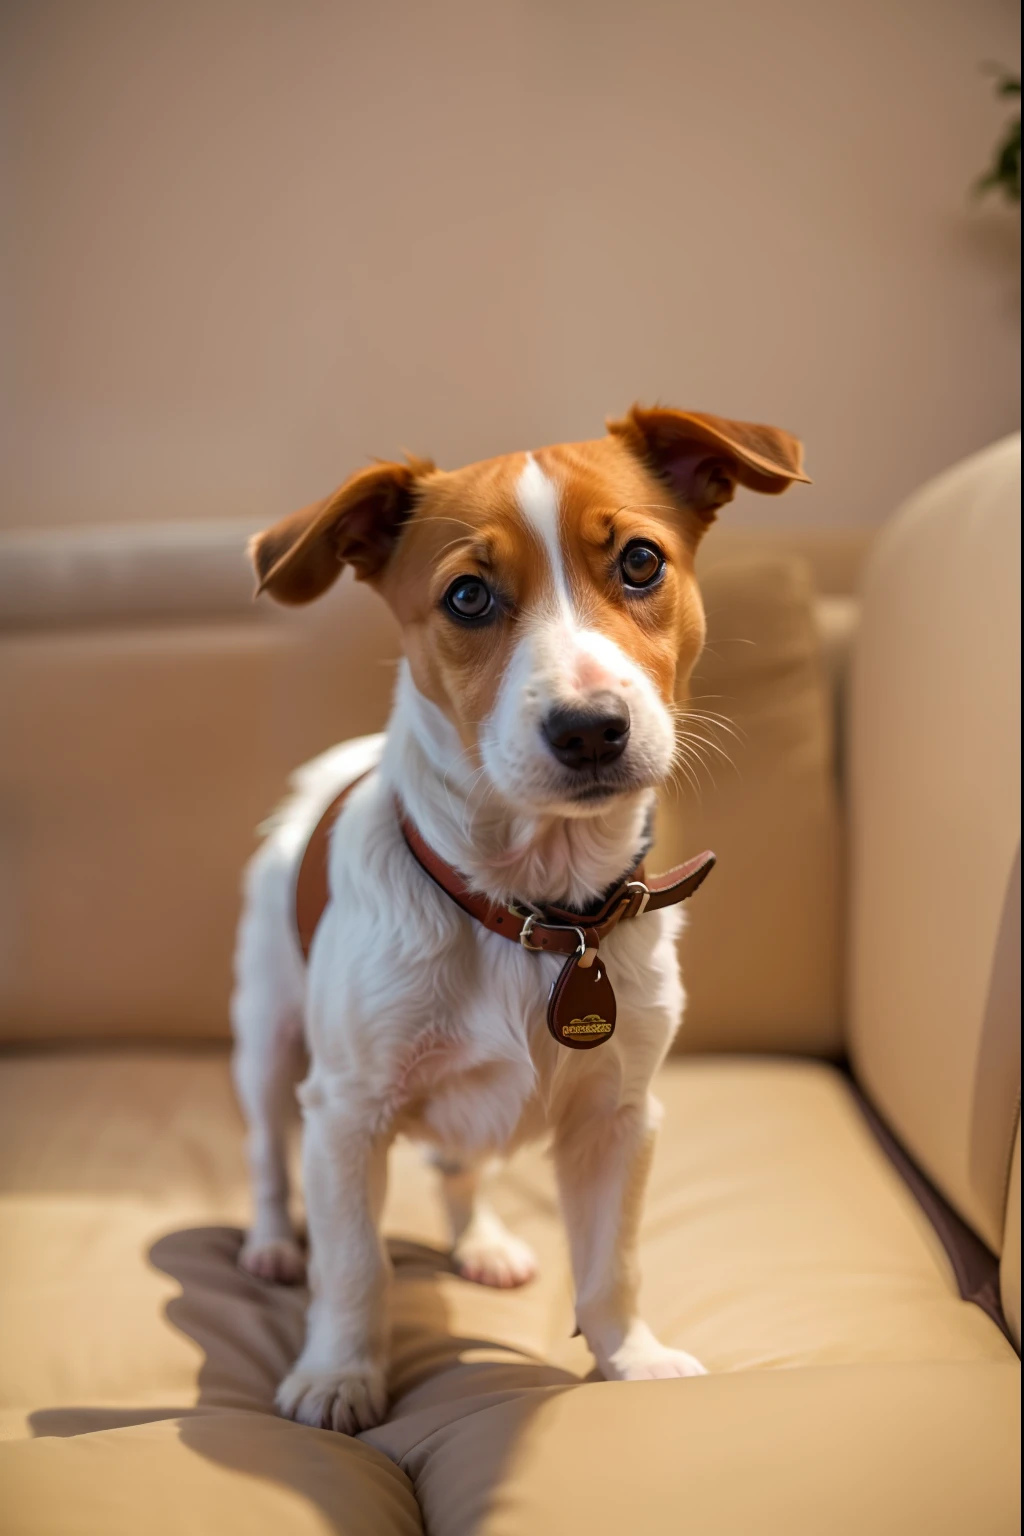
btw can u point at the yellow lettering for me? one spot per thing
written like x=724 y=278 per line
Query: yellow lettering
x=590 y=1024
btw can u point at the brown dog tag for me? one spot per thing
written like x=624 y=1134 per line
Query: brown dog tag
x=581 y=1009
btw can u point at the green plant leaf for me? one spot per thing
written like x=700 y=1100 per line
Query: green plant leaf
x=1003 y=175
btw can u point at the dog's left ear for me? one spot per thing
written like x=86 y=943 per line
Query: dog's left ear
x=703 y=458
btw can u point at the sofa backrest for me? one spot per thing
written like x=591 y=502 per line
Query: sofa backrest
x=934 y=1028
x=762 y=948
x=139 y=760
x=152 y=714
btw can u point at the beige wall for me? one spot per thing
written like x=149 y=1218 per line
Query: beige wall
x=250 y=243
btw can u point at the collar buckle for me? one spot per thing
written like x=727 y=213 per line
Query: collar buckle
x=585 y=952
x=640 y=894
x=528 y=926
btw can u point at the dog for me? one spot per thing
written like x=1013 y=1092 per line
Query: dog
x=551 y=618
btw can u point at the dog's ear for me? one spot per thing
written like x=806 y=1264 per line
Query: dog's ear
x=298 y=558
x=703 y=458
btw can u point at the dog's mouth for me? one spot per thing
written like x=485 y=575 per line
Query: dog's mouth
x=597 y=787
x=586 y=794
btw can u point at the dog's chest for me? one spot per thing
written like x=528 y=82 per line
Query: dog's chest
x=437 y=1027
x=467 y=1073
x=487 y=1075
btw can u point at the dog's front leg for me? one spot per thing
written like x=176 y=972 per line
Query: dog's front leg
x=602 y=1160
x=483 y=1248
x=338 y=1382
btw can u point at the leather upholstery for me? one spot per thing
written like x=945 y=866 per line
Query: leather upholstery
x=888 y=1449
x=799 y=1453
x=207 y=1475
x=1009 y=1265
x=762 y=949
x=137 y=764
x=935 y=828
x=779 y=1244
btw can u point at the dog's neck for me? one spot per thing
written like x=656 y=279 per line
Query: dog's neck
x=506 y=852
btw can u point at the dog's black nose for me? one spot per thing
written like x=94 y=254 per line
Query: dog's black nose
x=588 y=735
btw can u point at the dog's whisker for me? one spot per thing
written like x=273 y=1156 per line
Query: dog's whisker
x=682 y=767
x=722 y=722
x=700 y=743
x=712 y=722
x=720 y=757
x=705 y=731
x=694 y=752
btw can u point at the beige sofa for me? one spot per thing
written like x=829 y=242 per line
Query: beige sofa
x=834 y=1216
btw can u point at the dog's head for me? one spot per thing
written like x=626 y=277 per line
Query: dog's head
x=548 y=600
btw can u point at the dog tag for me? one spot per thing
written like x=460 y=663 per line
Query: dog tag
x=581 y=1009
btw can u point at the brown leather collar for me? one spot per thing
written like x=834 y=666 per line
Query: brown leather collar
x=553 y=930
x=556 y=930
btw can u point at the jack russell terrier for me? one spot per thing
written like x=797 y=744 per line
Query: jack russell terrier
x=491 y=964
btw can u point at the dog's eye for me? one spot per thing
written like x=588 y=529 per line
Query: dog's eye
x=641 y=564
x=469 y=598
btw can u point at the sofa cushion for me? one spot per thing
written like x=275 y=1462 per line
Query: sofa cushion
x=843 y=1450
x=777 y=1235
x=205 y=1474
x=885 y=1448
x=761 y=950
x=139 y=1363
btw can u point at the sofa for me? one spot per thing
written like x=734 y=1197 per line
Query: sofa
x=833 y=1222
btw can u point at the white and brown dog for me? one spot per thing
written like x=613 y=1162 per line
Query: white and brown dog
x=549 y=610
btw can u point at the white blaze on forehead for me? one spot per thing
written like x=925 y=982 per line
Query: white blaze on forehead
x=537 y=496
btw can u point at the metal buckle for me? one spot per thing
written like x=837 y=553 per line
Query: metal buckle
x=638 y=885
x=527 y=929
x=528 y=916
x=585 y=954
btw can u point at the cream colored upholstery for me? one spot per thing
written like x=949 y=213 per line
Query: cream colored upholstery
x=79 y=578
x=1009 y=1264
x=798 y=1454
x=762 y=951
x=211 y=1475
x=889 y=1450
x=137 y=766
x=779 y=1243
x=935 y=816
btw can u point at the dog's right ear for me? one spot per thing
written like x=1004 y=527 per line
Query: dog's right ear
x=301 y=556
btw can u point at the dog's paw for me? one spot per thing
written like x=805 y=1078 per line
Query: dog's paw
x=280 y=1260
x=660 y=1366
x=642 y=1357
x=347 y=1403
x=494 y=1257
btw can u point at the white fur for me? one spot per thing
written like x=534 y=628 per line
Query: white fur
x=537 y=495
x=419 y=1021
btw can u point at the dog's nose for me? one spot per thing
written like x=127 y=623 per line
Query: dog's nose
x=588 y=735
